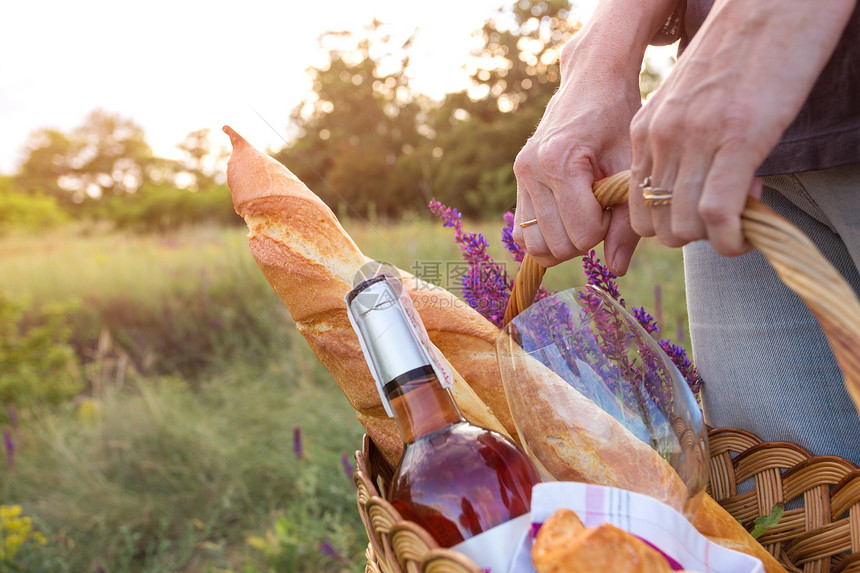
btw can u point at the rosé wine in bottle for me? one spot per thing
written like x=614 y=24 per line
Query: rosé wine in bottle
x=455 y=479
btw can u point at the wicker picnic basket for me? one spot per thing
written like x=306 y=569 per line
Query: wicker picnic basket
x=821 y=536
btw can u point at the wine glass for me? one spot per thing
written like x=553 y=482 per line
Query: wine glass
x=595 y=399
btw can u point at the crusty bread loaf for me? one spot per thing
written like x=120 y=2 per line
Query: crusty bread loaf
x=311 y=263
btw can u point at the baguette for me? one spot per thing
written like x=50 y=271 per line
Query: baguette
x=311 y=263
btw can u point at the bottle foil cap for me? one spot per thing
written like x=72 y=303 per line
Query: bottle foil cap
x=391 y=334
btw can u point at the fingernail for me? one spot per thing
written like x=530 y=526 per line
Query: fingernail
x=620 y=260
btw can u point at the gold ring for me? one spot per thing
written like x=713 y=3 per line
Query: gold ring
x=529 y=223
x=655 y=196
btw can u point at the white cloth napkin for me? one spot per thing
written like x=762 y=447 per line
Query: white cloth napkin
x=643 y=516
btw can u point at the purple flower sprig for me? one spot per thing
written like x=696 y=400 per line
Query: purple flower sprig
x=508 y=238
x=298 y=447
x=602 y=277
x=9 y=446
x=486 y=285
x=348 y=468
x=327 y=549
x=487 y=288
x=684 y=364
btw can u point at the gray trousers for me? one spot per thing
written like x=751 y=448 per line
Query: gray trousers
x=766 y=365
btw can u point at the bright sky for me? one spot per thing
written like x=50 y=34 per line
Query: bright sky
x=175 y=66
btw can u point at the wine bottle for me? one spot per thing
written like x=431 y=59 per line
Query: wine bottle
x=454 y=479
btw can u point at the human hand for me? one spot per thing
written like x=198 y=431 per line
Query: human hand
x=583 y=136
x=723 y=108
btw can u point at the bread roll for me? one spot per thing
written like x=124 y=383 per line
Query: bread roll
x=311 y=263
x=564 y=545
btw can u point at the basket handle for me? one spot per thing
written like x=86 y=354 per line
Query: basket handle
x=794 y=257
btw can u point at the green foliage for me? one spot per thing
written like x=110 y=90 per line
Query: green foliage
x=28 y=212
x=162 y=207
x=765 y=522
x=285 y=548
x=37 y=364
x=105 y=170
x=202 y=161
x=360 y=118
x=106 y=155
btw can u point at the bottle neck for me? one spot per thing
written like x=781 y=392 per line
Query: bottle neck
x=421 y=405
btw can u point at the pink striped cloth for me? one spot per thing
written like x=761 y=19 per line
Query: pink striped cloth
x=652 y=521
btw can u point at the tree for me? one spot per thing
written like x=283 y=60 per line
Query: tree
x=517 y=67
x=358 y=122
x=202 y=166
x=106 y=155
x=367 y=142
x=480 y=130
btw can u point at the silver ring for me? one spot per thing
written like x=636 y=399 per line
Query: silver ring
x=529 y=223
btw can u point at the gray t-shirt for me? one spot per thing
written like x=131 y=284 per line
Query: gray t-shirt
x=826 y=132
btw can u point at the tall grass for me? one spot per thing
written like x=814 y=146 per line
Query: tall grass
x=161 y=478
x=178 y=303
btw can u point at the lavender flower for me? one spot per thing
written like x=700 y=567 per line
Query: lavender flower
x=486 y=285
x=347 y=467
x=685 y=366
x=298 y=449
x=10 y=448
x=601 y=276
x=329 y=550
x=508 y=238
x=648 y=322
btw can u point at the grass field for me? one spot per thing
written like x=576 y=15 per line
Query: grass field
x=180 y=451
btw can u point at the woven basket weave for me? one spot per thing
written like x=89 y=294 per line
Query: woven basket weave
x=747 y=476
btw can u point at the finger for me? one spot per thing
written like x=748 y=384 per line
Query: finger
x=640 y=170
x=686 y=224
x=621 y=240
x=523 y=212
x=546 y=241
x=661 y=214
x=640 y=214
x=680 y=175
x=729 y=181
x=756 y=188
x=584 y=219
